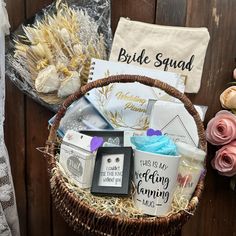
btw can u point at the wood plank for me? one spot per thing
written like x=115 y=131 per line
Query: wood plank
x=32 y=6
x=47 y=218
x=39 y=199
x=15 y=126
x=60 y=227
x=15 y=19
x=216 y=214
x=15 y=142
x=219 y=61
x=171 y=12
x=142 y=10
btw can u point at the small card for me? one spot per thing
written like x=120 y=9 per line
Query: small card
x=174 y=120
x=115 y=137
x=77 y=139
x=112 y=171
x=110 y=137
x=130 y=133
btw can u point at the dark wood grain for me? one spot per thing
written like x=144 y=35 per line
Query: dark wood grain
x=32 y=6
x=219 y=63
x=171 y=12
x=16 y=12
x=38 y=195
x=15 y=126
x=15 y=142
x=216 y=214
x=60 y=227
x=142 y=10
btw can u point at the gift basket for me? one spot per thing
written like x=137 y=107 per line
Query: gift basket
x=93 y=215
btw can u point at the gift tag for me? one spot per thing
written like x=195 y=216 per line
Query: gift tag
x=83 y=141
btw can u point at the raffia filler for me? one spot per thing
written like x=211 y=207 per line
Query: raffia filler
x=122 y=207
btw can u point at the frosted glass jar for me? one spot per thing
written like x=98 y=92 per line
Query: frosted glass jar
x=190 y=169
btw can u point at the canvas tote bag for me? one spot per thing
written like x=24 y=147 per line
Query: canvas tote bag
x=176 y=49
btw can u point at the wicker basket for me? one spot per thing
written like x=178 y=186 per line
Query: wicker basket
x=85 y=219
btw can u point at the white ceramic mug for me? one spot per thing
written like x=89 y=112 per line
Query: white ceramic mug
x=155 y=178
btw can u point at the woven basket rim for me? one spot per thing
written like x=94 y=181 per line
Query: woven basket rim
x=68 y=202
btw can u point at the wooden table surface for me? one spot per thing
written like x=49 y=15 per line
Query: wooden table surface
x=26 y=121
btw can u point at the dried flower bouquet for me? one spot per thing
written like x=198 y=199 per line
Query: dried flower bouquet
x=53 y=55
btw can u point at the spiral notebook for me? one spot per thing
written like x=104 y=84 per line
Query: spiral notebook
x=124 y=106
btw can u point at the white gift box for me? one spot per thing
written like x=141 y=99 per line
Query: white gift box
x=76 y=158
x=155 y=179
x=174 y=120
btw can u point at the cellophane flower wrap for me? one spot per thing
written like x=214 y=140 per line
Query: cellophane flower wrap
x=49 y=57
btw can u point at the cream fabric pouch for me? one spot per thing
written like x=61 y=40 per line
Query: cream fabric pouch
x=176 y=49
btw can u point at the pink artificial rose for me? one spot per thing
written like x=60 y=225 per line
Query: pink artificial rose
x=225 y=160
x=222 y=128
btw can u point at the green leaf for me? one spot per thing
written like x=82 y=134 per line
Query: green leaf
x=234 y=111
x=233 y=183
x=231 y=83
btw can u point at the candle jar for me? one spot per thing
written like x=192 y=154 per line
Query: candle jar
x=190 y=169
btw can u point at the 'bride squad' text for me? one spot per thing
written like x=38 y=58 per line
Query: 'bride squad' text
x=160 y=60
